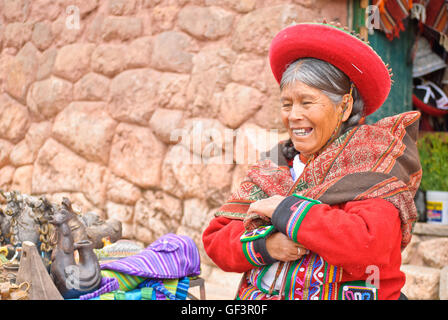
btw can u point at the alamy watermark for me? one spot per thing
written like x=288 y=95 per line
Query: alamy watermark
x=199 y=144
x=73 y=21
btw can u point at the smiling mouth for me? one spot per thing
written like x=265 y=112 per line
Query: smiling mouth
x=302 y=132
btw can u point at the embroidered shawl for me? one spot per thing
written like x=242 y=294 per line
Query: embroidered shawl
x=368 y=161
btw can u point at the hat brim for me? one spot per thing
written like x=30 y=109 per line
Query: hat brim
x=352 y=56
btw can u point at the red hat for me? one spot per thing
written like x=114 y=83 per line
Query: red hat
x=329 y=43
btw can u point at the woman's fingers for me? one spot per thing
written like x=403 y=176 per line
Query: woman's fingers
x=265 y=207
x=282 y=248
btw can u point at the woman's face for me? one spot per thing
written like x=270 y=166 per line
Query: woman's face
x=309 y=116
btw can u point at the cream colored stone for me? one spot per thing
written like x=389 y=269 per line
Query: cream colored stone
x=119 y=212
x=195 y=213
x=251 y=142
x=17 y=34
x=122 y=7
x=121 y=28
x=242 y=6
x=25 y=152
x=238 y=104
x=48 y=97
x=93 y=183
x=205 y=22
x=209 y=77
x=136 y=155
x=73 y=61
x=65 y=29
x=91 y=87
x=163 y=17
x=443 y=287
x=84 y=6
x=86 y=128
x=187 y=175
x=122 y=191
x=434 y=252
x=6 y=176
x=57 y=169
x=155 y=215
x=22 y=178
x=15 y=10
x=22 y=72
x=14 y=119
x=45 y=9
x=165 y=204
x=206 y=138
x=172 y=90
x=422 y=283
x=134 y=95
x=138 y=53
x=46 y=63
x=331 y=10
x=164 y=122
x=42 y=36
x=247 y=69
x=410 y=254
x=171 y=52
x=5 y=150
x=255 y=30
x=109 y=59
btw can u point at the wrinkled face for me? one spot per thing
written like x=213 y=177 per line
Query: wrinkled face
x=309 y=116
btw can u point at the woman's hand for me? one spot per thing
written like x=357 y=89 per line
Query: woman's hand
x=281 y=248
x=265 y=207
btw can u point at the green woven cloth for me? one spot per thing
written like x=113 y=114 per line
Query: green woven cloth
x=126 y=282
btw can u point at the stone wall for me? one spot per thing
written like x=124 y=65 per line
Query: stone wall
x=91 y=92
x=425 y=263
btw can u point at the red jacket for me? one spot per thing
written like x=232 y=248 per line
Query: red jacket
x=357 y=241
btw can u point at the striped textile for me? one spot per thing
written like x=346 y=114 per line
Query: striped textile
x=126 y=282
x=433 y=13
x=150 y=289
x=107 y=285
x=169 y=257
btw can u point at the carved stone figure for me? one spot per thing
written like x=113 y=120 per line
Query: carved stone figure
x=72 y=279
x=26 y=218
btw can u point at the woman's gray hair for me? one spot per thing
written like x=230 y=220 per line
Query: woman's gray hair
x=330 y=80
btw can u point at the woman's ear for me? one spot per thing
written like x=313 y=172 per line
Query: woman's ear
x=347 y=106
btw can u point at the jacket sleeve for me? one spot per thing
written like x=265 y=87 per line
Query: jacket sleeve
x=353 y=235
x=223 y=244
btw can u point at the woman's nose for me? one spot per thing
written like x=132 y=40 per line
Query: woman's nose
x=296 y=113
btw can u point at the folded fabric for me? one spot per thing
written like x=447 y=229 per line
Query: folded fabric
x=120 y=249
x=150 y=289
x=106 y=285
x=171 y=256
x=126 y=282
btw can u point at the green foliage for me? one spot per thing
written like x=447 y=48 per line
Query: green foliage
x=433 y=150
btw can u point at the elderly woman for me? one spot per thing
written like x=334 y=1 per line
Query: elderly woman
x=326 y=214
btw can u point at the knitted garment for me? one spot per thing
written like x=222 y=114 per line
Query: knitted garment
x=126 y=282
x=168 y=289
x=106 y=285
x=369 y=161
x=169 y=257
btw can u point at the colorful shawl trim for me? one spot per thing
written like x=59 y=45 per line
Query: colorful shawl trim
x=368 y=161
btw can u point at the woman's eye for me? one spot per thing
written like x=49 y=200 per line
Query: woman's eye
x=286 y=105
